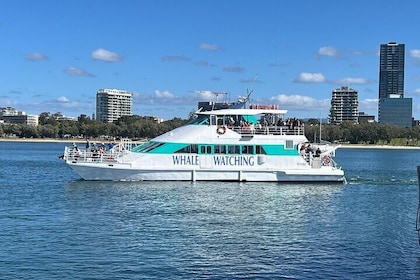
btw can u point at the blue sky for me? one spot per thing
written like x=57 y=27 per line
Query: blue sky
x=55 y=55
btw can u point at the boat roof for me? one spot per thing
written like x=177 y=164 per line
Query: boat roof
x=224 y=112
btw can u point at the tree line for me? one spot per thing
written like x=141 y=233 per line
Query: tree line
x=134 y=127
x=141 y=127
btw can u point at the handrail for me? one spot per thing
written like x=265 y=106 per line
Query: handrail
x=73 y=154
x=268 y=130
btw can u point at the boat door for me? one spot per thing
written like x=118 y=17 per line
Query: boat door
x=205 y=152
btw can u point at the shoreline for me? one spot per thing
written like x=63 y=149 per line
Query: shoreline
x=388 y=147
x=56 y=140
x=45 y=140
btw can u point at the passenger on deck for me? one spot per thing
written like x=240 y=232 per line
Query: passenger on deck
x=231 y=121
x=318 y=152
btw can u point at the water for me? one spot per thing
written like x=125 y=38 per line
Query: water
x=55 y=226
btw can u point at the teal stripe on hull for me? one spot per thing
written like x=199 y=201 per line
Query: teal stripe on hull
x=171 y=148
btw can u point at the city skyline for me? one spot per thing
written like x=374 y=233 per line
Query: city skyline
x=171 y=55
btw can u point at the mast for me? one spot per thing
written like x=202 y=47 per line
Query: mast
x=320 y=126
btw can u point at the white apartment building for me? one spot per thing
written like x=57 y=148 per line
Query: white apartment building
x=111 y=104
x=11 y=115
x=344 y=105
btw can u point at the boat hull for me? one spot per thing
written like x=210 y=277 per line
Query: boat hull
x=124 y=172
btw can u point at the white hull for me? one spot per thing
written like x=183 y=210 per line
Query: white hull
x=124 y=172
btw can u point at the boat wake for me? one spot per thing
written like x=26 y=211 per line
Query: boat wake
x=391 y=180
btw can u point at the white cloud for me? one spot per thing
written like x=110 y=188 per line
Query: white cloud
x=36 y=56
x=204 y=95
x=310 y=78
x=62 y=99
x=210 y=47
x=295 y=101
x=164 y=94
x=105 y=55
x=74 y=71
x=369 y=105
x=328 y=51
x=415 y=54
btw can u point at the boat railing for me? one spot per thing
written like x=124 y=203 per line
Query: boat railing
x=268 y=130
x=75 y=154
x=317 y=161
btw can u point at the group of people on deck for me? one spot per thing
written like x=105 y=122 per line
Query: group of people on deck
x=95 y=150
x=265 y=121
x=98 y=149
x=309 y=149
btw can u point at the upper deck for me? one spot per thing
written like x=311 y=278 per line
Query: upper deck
x=261 y=121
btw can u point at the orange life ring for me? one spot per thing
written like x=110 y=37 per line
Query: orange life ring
x=221 y=129
x=326 y=159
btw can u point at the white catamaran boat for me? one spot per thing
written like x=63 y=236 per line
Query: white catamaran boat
x=253 y=144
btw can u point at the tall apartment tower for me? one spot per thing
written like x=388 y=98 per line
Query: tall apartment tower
x=344 y=105
x=393 y=108
x=111 y=104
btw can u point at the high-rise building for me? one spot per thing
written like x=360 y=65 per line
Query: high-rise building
x=391 y=70
x=111 y=104
x=393 y=108
x=344 y=105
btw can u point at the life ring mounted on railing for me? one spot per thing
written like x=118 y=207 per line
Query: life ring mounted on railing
x=221 y=129
x=326 y=159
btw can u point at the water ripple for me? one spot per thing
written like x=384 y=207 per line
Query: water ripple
x=54 y=226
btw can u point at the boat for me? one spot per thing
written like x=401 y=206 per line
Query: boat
x=256 y=143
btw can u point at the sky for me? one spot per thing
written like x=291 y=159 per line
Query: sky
x=55 y=55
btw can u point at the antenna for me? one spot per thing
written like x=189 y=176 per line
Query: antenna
x=245 y=99
x=217 y=97
x=218 y=93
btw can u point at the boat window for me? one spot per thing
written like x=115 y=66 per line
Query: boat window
x=194 y=148
x=234 y=149
x=260 y=150
x=289 y=144
x=147 y=147
x=219 y=149
x=199 y=120
x=205 y=149
x=195 y=119
x=248 y=150
x=190 y=149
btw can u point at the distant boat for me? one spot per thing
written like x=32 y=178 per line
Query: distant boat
x=235 y=144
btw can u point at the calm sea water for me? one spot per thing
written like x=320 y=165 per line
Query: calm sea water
x=55 y=226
